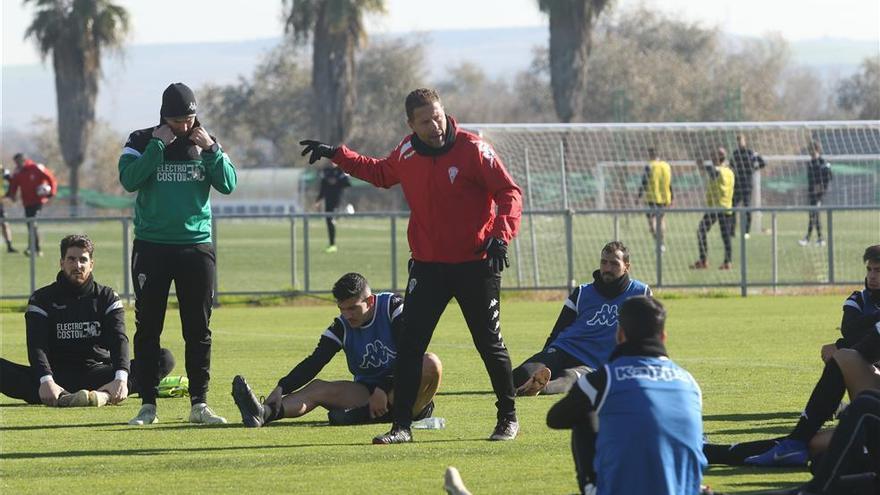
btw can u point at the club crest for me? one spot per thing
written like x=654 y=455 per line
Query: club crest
x=453 y=173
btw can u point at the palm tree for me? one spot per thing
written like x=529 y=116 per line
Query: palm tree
x=75 y=32
x=571 y=29
x=336 y=28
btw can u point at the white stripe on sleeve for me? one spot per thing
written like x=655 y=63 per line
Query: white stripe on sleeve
x=131 y=151
x=36 y=309
x=114 y=307
x=587 y=388
x=332 y=336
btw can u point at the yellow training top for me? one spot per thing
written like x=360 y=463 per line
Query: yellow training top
x=659 y=187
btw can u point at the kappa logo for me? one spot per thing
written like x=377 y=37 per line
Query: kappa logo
x=142 y=279
x=653 y=373
x=453 y=173
x=191 y=107
x=607 y=316
x=411 y=286
x=492 y=303
x=376 y=355
x=59 y=306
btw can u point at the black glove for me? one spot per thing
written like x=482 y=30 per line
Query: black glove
x=317 y=149
x=496 y=254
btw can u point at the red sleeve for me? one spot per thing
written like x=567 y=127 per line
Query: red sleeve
x=13 y=187
x=380 y=173
x=506 y=194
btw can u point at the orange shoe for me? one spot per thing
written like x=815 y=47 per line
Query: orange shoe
x=699 y=265
x=726 y=266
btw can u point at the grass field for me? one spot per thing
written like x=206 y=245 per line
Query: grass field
x=756 y=359
x=255 y=254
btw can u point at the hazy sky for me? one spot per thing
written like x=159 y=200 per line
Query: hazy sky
x=229 y=20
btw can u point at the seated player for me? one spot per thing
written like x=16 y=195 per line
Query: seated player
x=861 y=317
x=636 y=422
x=76 y=340
x=583 y=336
x=366 y=331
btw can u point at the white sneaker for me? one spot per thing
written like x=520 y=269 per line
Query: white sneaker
x=201 y=413
x=747 y=236
x=98 y=398
x=146 y=416
x=453 y=484
x=804 y=242
x=820 y=242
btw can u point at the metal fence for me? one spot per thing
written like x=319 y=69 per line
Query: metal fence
x=555 y=249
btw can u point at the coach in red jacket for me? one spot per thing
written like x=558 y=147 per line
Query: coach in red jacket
x=37 y=184
x=465 y=209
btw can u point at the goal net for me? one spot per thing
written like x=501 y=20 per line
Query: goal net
x=595 y=168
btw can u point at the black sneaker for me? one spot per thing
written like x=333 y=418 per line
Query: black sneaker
x=505 y=429
x=426 y=412
x=397 y=434
x=250 y=407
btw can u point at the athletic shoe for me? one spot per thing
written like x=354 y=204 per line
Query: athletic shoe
x=251 y=409
x=726 y=266
x=98 y=398
x=536 y=383
x=397 y=434
x=10 y=249
x=80 y=398
x=747 y=236
x=505 y=429
x=820 y=242
x=146 y=416
x=699 y=265
x=787 y=452
x=27 y=252
x=426 y=411
x=453 y=484
x=804 y=242
x=202 y=414
x=173 y=386
x=331 y=249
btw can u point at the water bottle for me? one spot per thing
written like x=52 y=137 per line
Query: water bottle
x=431 y=423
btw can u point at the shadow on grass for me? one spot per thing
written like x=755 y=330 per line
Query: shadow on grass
x=751 y=416
x=19 y=404
x=722 y=470
x=164 y=451
x=468 y=392
x=767 y=430
x=57 y=426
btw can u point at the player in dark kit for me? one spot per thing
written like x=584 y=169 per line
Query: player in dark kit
x=818 y=177
x=367 y=331
x=333 y=184
x=465 y=208
x=76 y=340
x=173 y=167
x=744 y=162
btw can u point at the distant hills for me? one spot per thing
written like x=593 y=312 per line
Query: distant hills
x=132 y=86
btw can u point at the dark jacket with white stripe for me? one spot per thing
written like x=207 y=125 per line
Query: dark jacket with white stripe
x=75 y=327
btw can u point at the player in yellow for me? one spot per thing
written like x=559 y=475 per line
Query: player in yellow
x=719 y=194
x=657 y=189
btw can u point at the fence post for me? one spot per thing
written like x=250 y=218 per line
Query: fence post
x=32 y=255
x=306 y=253
x=126 y=265
x=393 y=253
x=569 y=248
x=536 y=273
x=743 y=257
x=830 y=233
x=518 y=261
x=616 y=227
x=658 y=251
x=774 y=250
x=293 y=252
x=564 y=177
x=216 y=301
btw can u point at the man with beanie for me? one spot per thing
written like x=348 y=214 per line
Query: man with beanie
x=173 y=167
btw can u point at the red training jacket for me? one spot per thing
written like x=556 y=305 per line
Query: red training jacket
x=27 y=178
x=452 y=197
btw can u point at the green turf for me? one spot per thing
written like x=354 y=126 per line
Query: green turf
x=755 y=358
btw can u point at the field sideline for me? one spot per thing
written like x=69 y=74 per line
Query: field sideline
x=756 y=359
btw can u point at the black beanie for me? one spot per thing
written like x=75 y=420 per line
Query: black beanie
x=178 y=100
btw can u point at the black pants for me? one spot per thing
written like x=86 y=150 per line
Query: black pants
x=583 y=451
x=564 y=370
x=21 y=382
x=330 y=207
x=31 y=212
x=815 y=200
x=191 y=267
x=742 y=196
x=859 y=429
x=431 y=286
x=724 y=223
